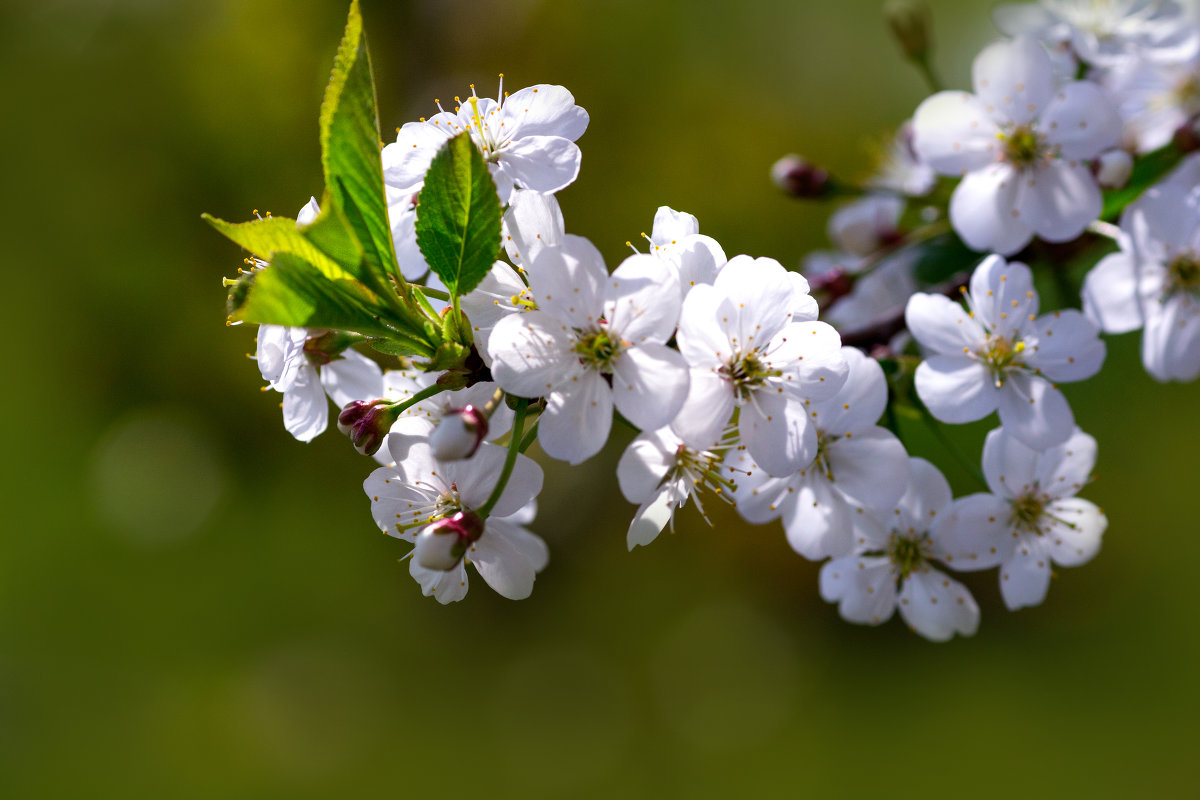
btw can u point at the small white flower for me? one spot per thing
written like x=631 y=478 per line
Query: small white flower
x=1019 y=144
x=858 y=464
x=892 y=564
x=528 y=140
x=1107 y=32
x=1154 y=281
x=694 y=257
x=660 y=472
x=589 y=328
x=752 y=343
x=868 y=225
x=1032 y=518
x=420 y=491
x=997 y=354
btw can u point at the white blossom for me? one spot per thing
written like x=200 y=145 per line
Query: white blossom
x=900 y=170
x=858 y=464
x=419 y=490
x=1153 y=282
x=752 y=343
x=998 y=355
x=1032 y=517
x=867 y=225
x=893 y=563
x=1020 y=144
x=1154 y=99
x=588 y=327
x=694 y=257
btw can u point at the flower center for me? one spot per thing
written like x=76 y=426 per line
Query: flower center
x=747 y=372
x=907 y=553
x=1023 y=146
x=821 y=462
x=597 y=349
x=1001 y=354
x=1183 y=274
x=1027 y=510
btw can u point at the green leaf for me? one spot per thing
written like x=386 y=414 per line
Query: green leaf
x=293 y=292
x=1147 y=171
x=941 y=258
x=350 y=150
x=268 y=237
x=458 y=216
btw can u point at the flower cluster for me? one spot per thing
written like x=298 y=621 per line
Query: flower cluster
x=779 y=392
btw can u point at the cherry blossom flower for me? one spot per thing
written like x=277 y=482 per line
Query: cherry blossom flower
x=1020 y=144
x=528 y=140
x=694 y=257
x=893 y=563
x=661 y=472
x=997 y=354
x=590 y=327
x=1154 y=99
x=419 y=491
x=867 y=225
x=1032 y=515
x=857 y=464
x=753 y=343
x=1154 y=281
x=1105 y=33
x=900 y=170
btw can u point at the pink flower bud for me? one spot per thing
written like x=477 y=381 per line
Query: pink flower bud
x=367 y=423
x=798 y=178
x=459 y=434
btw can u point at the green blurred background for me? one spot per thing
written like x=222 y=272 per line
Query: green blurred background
x=192 y=604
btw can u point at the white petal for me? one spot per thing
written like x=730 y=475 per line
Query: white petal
x=870 y=467
x=699 y=259
x=863 y=587
x=406 y=161
x=504 y=559
x=937 y=607
x=649 y=385
x=954 y=134
x=860 y=402
x=641 y=300
x=1002 y=294
x=1009 y=466
x=533 y=220
x=305 y=409
x=776 y=431
x=706 y=411
x=1065 y=346
x=569 y=281
x=576 y=423
x=760 y=294
x=761 y=498
x=1059 y=199
x=941 y=325
x=476 y=478
x=1015 y=78
x=541 y=163
x=1035 y=412
x=645 y=463
x=974 y=533
x=531 y=354
x=983 y=210
x=352 y=377
x=671 y=226
x=1062 y=471
x=1171 y=341
x=956 y=389
x=701 y=339
x=650 y=519
x=819 y=520
x=926 y=494
x=1110 y=294
x=1025 y=578
x=543 y=110
x=811 y=354
x=1081 y=121
x=1072 y=536
x=446 y=587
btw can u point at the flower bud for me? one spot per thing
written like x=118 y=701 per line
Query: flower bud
x=459 y=434
x=367 y=423
x=798 y=178
x=442 y=544
x=1113 y=168
x=1187 y=136
x=909 y=21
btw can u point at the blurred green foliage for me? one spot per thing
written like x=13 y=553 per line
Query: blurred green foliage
x=192 y=604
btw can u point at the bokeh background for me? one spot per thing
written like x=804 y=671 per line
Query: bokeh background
x=192 y=604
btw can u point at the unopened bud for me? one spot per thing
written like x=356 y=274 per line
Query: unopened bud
x=909 y=21
x=798 y=178
x=367 y=423
x=442 y=544
x=1113 y=168
x=459 y=434
x=1187 y=136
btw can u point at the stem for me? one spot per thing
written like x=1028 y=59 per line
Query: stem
x=437 y=294
x=424 y=394
x=509 y=462
x=939 y=434
x=530 y=437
